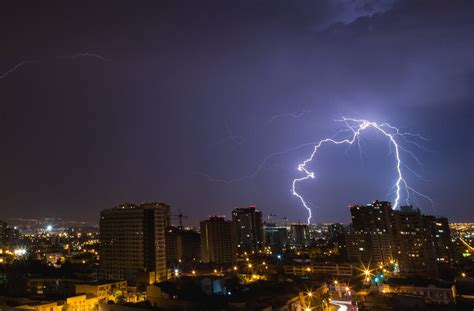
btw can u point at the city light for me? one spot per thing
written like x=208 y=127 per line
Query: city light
x=19 y=252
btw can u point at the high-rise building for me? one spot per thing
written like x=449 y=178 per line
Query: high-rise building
x=369 y=247
x=439 y=230
x=379 y=234
x=182 y=245
x=275 y=237
x=372 y=218
x=336 y=230
x=371 y=238
x=216 y=240
x=248 y=229
x=133 y=242
x=416 y=250
x=299 y=234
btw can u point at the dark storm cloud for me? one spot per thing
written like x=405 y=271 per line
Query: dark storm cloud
x=323 y=14
x=85 y=134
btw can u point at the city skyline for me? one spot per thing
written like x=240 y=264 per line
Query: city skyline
x=210 y=107
x=310 y=155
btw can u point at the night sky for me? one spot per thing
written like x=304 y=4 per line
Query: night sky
x=127 y=103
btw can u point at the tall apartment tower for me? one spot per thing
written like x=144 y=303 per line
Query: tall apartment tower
x=372 y=218
x=420 y=243
x=299 y=234
x=415 y=244
x=182 y=245
x=216 y=241
x=372 y=235
x=247 y=229
x=438 y=227
x=133 y=242
x=275 y=237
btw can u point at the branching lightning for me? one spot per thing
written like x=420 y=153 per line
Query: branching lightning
x=259 y=168
x=230 y=137
x=356 y=127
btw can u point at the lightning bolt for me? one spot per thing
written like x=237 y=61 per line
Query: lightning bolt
x=356 y=127
x=6 y=73
x=73 y=57
x=295 y=115
x=93 y=55
x=258 y=169
x=230 y=137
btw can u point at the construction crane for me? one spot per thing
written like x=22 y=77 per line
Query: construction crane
x=180 y=216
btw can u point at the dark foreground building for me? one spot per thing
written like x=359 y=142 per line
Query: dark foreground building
x=216 y=241
x=247 y=229
x=133 y=242
x=182 y=245
x=420 y=243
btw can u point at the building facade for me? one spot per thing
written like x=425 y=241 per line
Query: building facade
x=182 y=245
x=133 y=242
x=420 y=243
x=299 y=234
x=416 y=249
x=216 y=240
x=247 y=229
x=275 y=237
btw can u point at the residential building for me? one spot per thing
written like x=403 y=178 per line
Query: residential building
x=133 y=242
x=216 y=241
x=182 y=245
x=248 y=229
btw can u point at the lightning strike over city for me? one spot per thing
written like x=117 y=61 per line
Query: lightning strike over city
x=357 y=127
x=251 y=155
